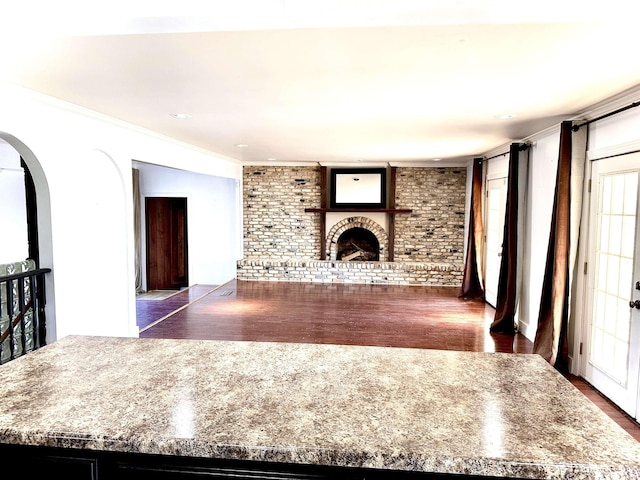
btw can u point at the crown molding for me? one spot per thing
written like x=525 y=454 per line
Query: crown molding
x=609 y=105
x=431 y=164
x=463 y=163
x=276 y=163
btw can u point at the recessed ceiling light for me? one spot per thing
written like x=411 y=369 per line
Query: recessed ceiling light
x=437 y=159
x=241 y=145
x=506 y=116
x=181 y=116
x=271 y=159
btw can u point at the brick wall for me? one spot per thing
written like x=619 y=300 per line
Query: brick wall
x=276 y=227
x=326 y=271
x=434 y=231
x=275 y=224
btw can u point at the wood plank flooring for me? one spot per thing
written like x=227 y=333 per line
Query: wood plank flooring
x=150 y=311
x=376 y=315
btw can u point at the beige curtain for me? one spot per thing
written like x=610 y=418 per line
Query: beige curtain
x=137 y=225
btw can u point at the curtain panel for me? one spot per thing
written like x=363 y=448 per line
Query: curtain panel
x=510 y=268
x=472 y=280
x=551 y=334
x=137 y=226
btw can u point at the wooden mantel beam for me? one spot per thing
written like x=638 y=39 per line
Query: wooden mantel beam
x=356 y=210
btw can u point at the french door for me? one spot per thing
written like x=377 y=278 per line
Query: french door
x=496 y=203
x=613 y=331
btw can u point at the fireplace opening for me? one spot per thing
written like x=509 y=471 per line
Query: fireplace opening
x=358 y=244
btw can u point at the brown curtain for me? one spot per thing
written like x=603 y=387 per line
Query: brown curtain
x=471 y=283
x=506 y=302
x=551 y=335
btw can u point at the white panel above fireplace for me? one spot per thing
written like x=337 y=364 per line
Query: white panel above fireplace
x=358 y=188
x=378 y=217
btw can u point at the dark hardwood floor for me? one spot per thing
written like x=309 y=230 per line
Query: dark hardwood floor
x=149 y=312
x=376 y=315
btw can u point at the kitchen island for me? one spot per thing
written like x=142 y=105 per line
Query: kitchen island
x=149 y=408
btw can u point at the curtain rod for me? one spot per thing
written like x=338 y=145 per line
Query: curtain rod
x=523 y=146
x=575 y=128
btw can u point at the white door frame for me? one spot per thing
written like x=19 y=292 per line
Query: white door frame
x=503 y=199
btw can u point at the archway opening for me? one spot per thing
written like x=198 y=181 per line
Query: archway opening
x=37 y=222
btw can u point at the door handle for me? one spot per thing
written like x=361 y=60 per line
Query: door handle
x=635 y=304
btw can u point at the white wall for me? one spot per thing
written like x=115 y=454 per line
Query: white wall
x=81 y=163
x=13 y=213
x=211 y=219
x=543 y=163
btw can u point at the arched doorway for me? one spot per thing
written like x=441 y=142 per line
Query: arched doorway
x=38 y=222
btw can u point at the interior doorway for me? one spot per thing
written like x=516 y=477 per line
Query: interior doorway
x=496 y=203
x=612 y=332
x=166 y=238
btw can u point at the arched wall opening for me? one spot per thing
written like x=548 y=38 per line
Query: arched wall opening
x=360 y=223
x=45 y=249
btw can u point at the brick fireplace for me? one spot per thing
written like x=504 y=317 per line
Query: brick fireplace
x=282 y=241
x=357 y=231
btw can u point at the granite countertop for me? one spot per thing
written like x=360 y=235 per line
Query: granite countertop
x=389 y=408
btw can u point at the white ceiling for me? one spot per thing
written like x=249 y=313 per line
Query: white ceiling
x=332 y=81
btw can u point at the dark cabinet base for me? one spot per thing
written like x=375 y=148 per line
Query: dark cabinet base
x=45 y=462
x=52 y=466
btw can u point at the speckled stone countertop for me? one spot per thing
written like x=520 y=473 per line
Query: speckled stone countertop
x=390 y=408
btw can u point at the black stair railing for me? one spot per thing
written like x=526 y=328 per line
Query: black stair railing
x=23 y=326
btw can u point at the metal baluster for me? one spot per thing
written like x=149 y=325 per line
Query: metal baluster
x=30 y=289
x=10 y=315
x=1 y=343
x=23 y=314
x=34 y=311
x=42 y=320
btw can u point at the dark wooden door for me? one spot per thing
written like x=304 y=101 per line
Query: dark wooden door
x=166 y=220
